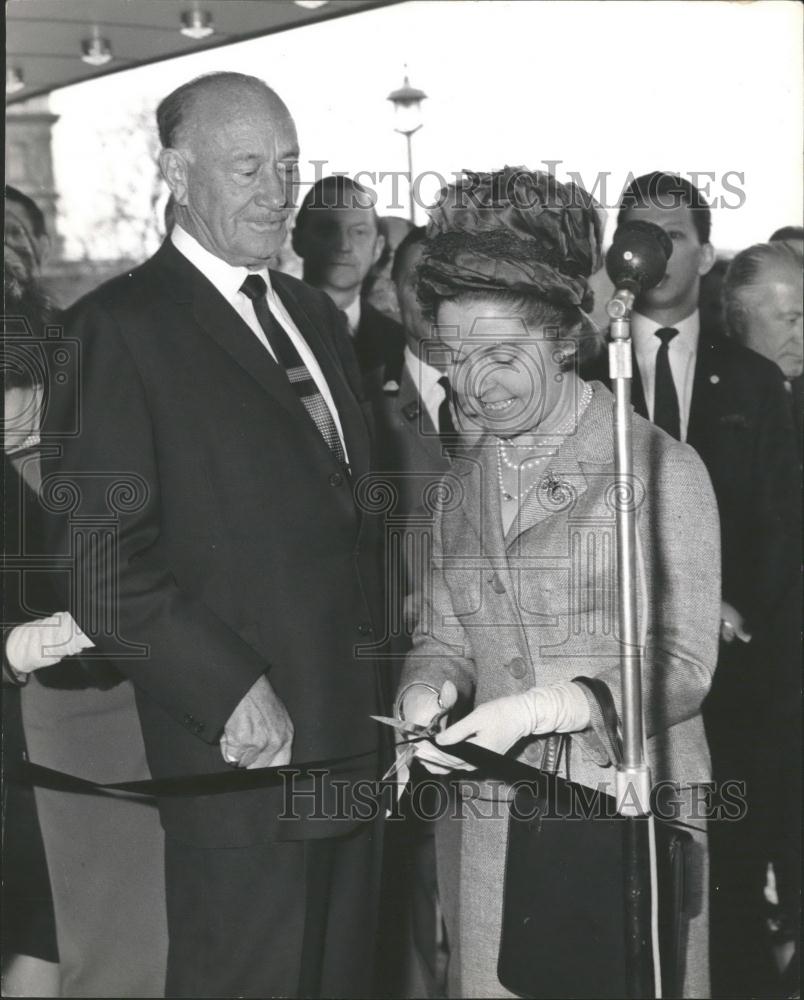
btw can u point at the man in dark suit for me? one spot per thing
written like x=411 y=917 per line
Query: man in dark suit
x=763 y=306
x=729 y=404
x=415 y=432
x=337 y=234
x=413 y=410
x=220 y=557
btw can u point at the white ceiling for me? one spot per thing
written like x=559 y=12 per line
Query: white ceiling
x=43 y=37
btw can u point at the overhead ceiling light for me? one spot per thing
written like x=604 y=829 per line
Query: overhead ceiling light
x=310 y=4
x=96 y=50
x=15 y=81
x=197 y=23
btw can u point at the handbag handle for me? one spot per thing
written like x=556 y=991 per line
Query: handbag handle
x=555 y=744
x=601 y=693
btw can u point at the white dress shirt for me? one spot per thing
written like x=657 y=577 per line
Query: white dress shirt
x=227 y=279
x=682 y=352
x=353 y=312
x=425 y=378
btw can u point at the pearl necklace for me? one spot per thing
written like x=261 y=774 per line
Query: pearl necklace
x=30 y=442
x=532 y=463
x=563 y=428
x=529 y=463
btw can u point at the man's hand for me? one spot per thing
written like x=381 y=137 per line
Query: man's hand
x=259 y=732
x=732 y=624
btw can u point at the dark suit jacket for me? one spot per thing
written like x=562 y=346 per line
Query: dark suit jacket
x=411 y=464
x=27 y=593
x=379 y=340
x=410 y=449
x=217 y=537
x=740 y=426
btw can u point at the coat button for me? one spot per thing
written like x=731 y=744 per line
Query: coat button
x=516 y=668
x=364 y=628
x=496 y=584
x=534 y=752
x=336 y=479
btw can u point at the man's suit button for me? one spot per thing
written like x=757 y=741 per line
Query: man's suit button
x=364 y=628
x=516 y=668
x=534 y=752
x=336 y=479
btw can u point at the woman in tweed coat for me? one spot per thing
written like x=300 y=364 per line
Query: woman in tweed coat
x=521 y=596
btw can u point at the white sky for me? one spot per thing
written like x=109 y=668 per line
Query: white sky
x=681 y=85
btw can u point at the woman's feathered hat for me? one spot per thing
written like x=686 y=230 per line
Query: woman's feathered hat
x=514 y=229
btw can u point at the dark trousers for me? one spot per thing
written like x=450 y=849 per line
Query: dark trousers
x=279 y=919
x=740 y=953
x=411 y=962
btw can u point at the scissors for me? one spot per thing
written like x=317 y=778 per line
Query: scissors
x=414 y=732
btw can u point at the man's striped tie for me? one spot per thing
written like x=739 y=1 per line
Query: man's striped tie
x=297 y=372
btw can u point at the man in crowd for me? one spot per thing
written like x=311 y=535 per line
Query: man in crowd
x=220 y=433
x=337 y=235
x=25 y=233
x=763 y=296
x=415 y=431
x=794 y=235
x=379 y=287
x=763 y=300
x=414 y=419
x=729 y=404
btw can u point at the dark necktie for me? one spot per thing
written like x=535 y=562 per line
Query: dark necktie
x=446 y=428
x=665 y=397
x=297 y=372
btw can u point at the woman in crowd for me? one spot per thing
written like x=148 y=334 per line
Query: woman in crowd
x=83 y=887
x=30 y=953
x=505 y=278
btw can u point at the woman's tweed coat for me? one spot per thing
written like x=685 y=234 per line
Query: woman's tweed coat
x=539 y=606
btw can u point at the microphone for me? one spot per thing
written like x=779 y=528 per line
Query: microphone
x=636 y=261
x=638 y=256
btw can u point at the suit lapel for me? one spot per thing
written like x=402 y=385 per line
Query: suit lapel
x=558 y=489
x=638 y=390
x=564 y=481
x=418 y=426
x=221 y=322
x=481 y=530
x=481 y=534
x=704 y=389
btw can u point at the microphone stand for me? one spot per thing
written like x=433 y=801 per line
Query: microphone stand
x=633 y=774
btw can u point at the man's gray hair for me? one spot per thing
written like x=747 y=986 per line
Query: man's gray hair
x=172 y=112
x=745 y=273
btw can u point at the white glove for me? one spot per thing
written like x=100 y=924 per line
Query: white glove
x=499 y=724
x=43 y=642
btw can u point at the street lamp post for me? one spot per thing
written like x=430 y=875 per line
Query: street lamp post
x=407 y=102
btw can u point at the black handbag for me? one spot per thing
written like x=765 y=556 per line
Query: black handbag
x=565 y=930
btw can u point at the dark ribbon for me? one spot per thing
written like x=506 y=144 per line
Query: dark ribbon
x=244 y=779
